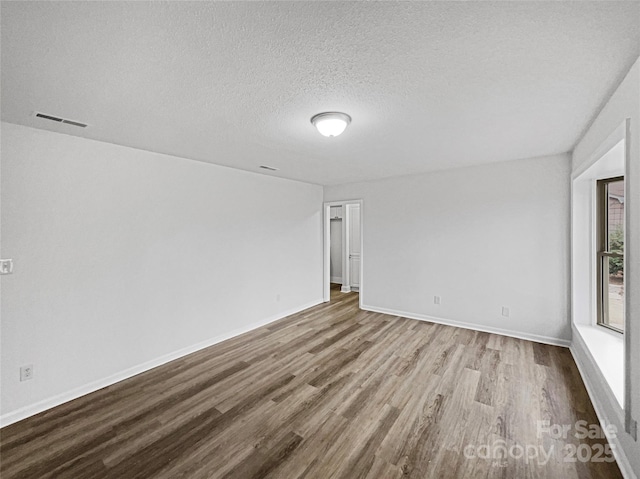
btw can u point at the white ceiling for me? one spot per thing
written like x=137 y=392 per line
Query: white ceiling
x=429 y=85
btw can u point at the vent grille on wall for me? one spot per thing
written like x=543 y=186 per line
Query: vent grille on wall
x=60 y=120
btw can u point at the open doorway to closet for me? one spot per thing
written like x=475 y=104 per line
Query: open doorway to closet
x=342 y=249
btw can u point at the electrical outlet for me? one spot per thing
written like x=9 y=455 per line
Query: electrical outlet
x=26 y=372
x=6 y=266
x=505 y=311
x=436 y=300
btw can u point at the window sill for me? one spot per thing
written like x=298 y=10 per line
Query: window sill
x=607 y=349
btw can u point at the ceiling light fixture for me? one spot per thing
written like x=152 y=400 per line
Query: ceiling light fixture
x=331 y=123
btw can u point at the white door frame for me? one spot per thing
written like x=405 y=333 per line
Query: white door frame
x=345 y=245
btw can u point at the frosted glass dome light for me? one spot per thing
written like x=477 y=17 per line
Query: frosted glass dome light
x=331 y=123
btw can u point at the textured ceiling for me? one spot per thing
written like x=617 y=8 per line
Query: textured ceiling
x=429 y=85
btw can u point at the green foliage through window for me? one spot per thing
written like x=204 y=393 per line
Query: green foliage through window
x=616 y=242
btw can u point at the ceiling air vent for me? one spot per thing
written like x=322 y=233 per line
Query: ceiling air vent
x=60 y=120
x=270 y=168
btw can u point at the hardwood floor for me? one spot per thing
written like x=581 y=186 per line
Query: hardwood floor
x=331 y=392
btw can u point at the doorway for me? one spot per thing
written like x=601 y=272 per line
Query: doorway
x=343 y=241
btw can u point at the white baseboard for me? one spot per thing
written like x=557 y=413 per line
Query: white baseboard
x=476 y=327
x=335 y=279
x=581 y=354
x=53 y=401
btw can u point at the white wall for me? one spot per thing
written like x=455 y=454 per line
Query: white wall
x=480 y=238
x=624 y=103
x=126 y=258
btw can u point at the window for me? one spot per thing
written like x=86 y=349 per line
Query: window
x=610 y=224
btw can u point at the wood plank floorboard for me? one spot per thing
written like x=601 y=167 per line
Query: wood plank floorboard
x=330 y=392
